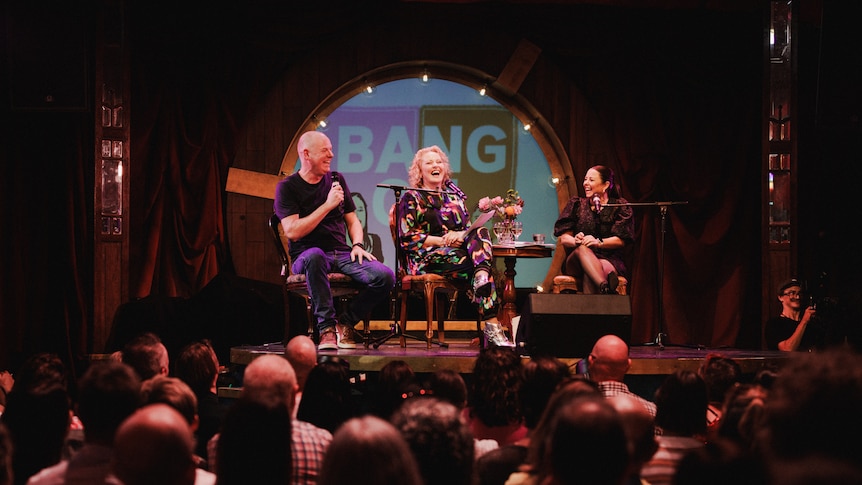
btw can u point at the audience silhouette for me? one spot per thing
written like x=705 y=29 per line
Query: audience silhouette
x=108 y=393
x=368 y=450
x=327 y=400
x=680 y=409
x=38 y=415
x=197 y=365
x=156 y=445
x=493 y=409
x=538 y=423
x=440 y=440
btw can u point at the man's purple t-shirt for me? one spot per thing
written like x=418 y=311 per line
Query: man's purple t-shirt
x=293 y=195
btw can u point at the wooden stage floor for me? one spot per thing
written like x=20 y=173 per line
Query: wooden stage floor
x=460 y=356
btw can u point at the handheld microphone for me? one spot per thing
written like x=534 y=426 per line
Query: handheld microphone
x=336 y=179
x=597 y=201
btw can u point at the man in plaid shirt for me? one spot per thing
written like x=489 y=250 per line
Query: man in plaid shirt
x=608 y=364
x=272 y=377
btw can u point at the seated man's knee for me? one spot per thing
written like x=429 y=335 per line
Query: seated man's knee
x=386 y=276
x=312 y=258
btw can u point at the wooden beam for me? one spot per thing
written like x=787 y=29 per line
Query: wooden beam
x=519 y=66
x=247 y=182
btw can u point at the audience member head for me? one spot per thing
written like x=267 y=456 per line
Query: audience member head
x=37 y=419
x=147 y=355
x=496 y=382
x=108 y=393
x=396 y=382
x=254 y=444
x=718 y=463
x=765 y=378
x=586 y=443
x=813 y=407
x=639 y=426
x=197 y=365
x=719 y=373
x=440 y=439
x=391 y=462
x=681 y=404
x=327 y=399
x=270 y=379
x=742 y=414
x=41 y=370
x=173 y=392
x=572 y=388
x=609 y=360
x=6 y=475
x=154 y=445
x=542 y=375
x=448 y=385
x=301 y=352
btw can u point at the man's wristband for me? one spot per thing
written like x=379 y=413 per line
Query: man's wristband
x=360 y=245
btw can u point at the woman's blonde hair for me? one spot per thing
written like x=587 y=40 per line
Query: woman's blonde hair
x=414 y=174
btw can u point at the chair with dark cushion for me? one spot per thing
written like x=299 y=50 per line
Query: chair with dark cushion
x=343 y=287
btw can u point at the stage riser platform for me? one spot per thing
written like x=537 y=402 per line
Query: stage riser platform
x=460 y=356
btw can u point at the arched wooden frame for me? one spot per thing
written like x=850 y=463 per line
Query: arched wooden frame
x=557 y=158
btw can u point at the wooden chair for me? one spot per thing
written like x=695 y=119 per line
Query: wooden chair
x=434 y=289
x=569 y=284
x=343 y=287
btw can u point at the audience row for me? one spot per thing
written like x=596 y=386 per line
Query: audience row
x=139 y=418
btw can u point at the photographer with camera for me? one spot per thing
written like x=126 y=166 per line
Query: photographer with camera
x=794 y=329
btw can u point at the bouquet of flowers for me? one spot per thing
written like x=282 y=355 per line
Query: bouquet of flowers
x=507 y=208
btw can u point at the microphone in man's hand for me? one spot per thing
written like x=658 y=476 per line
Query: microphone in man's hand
x=336 y=179
x=597 y=201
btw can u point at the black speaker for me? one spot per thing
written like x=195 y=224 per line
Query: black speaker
x=567 y=325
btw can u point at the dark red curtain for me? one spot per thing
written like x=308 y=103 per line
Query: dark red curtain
x=682 y=114
x=46 y=246
x=192 y=83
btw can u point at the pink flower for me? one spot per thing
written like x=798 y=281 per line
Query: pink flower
x=500 y=204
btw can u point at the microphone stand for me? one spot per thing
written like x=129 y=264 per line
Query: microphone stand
x=395 y=329
x=660 y=337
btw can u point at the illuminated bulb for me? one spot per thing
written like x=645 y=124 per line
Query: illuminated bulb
x=527 y=126
x=321 y=123
x=369 y=89
x=483 y=90
x=425 y=76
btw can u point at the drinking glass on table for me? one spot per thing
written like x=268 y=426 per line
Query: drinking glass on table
x=517 y=229
x=499 y=229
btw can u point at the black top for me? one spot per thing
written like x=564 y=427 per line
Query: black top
x=780 y=328
x=579 y=216
x=293 y=195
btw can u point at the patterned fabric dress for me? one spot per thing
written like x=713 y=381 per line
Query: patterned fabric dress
x=423 y=214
